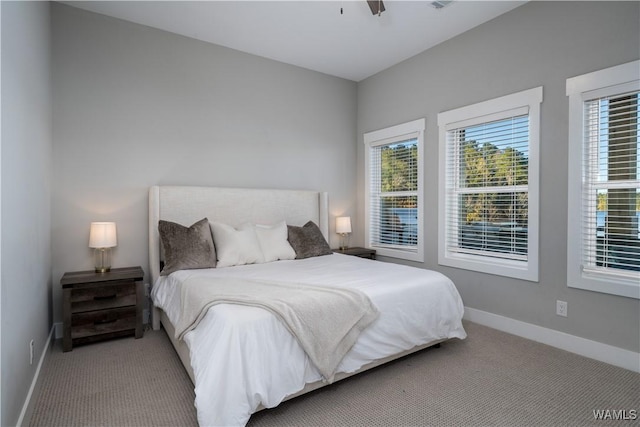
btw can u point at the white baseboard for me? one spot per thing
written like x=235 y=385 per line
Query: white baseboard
x=595 y=350
x=25 y=408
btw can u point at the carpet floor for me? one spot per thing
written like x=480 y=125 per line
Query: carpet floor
x=489 y=379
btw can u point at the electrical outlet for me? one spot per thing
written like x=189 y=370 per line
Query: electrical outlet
x=561 y=308
x=31 y=352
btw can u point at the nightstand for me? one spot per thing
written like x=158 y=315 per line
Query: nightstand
x=359 y=252
x=98 y=306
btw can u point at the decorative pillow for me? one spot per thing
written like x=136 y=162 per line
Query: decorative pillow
x=273 y=242
x=186 y=247
x=236 y=246
x=308 y=241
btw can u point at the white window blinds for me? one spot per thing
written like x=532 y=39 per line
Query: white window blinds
x=603 y=252
x=611 y=189
x=488 y=187
x=487 y=203
x=393 y=187
x=393 y=201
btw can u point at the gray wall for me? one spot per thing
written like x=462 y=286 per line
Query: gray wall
x=134 y=107
x=538 y=44
x=26 y=174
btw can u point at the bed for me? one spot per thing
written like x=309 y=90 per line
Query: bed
x=242 y=358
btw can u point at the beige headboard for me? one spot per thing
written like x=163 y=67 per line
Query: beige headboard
x=233 y=206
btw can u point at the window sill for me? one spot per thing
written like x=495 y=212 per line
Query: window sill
x=508 y=268
x=398 y=253
x=606 y=284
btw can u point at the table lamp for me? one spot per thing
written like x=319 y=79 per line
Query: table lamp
x=343 y=228
x=102 y=238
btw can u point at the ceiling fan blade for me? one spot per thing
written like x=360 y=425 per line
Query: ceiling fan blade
x=376 y=6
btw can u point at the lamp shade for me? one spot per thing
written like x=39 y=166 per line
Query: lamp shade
x=103 y=235
x=343 y=224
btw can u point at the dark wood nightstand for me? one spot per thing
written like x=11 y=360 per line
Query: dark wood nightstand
x=359 y=252
x=98 y=306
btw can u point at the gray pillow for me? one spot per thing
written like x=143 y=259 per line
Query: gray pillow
x=308 y=241
x=186 y=248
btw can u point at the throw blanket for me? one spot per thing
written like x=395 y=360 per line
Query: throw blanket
x=326 y=321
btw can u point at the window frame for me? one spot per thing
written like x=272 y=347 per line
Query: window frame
x=580 y=89
x=475 y=114
x=388 y=136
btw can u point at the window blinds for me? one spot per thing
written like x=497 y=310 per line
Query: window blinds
x=487 y=201
x=393 y=204
x=611 y=190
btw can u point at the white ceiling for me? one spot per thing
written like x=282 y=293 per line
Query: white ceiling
x=312 y=34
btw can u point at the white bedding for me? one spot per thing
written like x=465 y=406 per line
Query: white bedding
x=244 y=356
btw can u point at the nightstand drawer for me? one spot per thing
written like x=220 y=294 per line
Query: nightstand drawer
x=103 y=322
x=100 y=298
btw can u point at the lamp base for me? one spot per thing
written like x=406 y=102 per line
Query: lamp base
x=344 y=241
x=102 y=258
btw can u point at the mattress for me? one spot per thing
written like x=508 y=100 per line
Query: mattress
x=243 y=357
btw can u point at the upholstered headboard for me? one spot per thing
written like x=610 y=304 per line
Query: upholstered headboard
x=233 y=206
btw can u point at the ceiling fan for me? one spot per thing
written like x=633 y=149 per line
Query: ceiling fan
x=376 y=6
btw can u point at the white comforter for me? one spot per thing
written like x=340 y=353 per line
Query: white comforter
x=244 y=356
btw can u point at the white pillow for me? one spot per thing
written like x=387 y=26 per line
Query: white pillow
x=274 y=242
x=236 y=246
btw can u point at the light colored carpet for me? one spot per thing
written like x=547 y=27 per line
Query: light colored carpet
x=489 y=379
x=121 y=382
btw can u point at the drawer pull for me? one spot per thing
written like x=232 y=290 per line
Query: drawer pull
x=98 y=298
x=104 y=322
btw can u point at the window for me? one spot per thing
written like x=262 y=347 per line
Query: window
x=393 y=190
x=488 y=189
x=603 y=247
